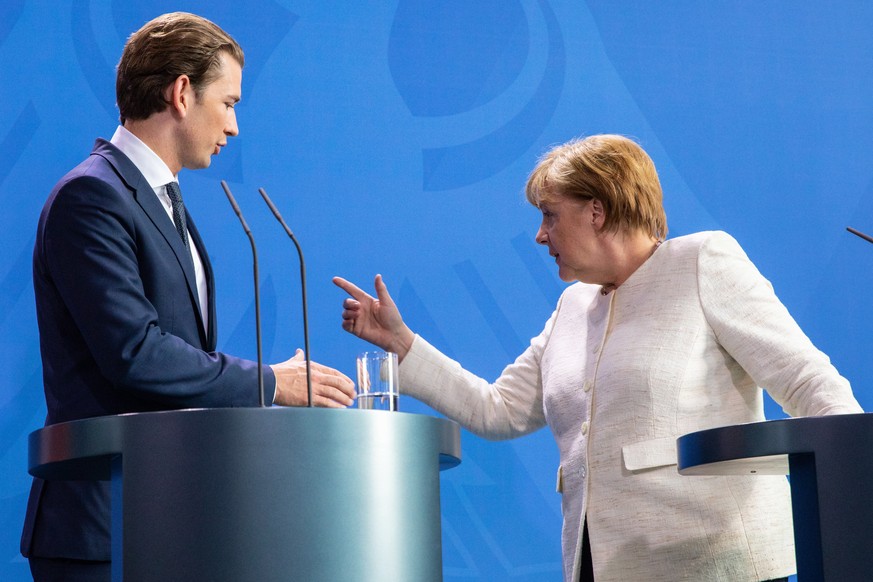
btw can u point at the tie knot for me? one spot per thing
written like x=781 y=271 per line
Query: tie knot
x=174 y=192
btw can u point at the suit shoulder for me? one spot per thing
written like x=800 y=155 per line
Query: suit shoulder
x=94 y=178
x=93 y=169
x=106 y=164
x=92 y=190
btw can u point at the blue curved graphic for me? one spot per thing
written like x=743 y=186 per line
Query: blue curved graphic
x=18 y=412
x=491 y=312
x=452 y=167
x=451 y=56
x=16 y=421
x=242 y=340
x=259 y=27
x=421 y=319
x=98 y=73
x=10 y=12
x=15 y=143
x=228 y=165
x=537 y=268
x=16 y=281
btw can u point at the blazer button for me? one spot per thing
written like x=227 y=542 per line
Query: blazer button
x=586 y=386
x=585 y=427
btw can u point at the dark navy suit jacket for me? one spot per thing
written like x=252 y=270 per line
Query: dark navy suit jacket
x=120 y=331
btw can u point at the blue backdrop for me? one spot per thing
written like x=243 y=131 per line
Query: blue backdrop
x=396 y=138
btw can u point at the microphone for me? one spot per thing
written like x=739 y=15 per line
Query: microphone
x=861 y=234
x=257 y=290
x=278 y=216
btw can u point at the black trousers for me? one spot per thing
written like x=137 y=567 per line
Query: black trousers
x=65 y=570
x=586 y=568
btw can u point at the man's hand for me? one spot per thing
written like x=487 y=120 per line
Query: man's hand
x=330 y=388
x=376 y=320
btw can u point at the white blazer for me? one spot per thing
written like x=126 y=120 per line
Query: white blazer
x=683 y=345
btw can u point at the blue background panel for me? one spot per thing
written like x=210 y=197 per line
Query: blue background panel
x=396 y=138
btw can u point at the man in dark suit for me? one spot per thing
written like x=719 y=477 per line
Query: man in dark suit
x=124 y=288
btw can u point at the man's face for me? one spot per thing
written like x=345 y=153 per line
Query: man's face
x=211 y=117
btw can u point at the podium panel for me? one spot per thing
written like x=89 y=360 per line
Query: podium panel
x=830 y=462
x=263 y=493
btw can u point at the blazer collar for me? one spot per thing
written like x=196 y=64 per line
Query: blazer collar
x=147 y=199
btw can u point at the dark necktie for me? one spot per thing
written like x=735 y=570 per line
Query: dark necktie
x=178 y=211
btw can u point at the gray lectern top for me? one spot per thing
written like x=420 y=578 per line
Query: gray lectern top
x=83 y=449
x=263 y=493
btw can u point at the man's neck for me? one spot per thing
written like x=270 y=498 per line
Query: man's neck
x=154 y=132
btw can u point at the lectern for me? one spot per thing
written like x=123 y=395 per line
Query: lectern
x=830 y=462
x=263 y=493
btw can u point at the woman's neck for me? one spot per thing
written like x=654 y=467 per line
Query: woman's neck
x=629 y=252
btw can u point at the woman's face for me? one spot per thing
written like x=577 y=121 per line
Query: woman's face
x=571 y=230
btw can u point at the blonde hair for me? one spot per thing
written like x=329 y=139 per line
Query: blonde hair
x=611 y=169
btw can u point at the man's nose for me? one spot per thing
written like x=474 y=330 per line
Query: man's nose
x=231 y=128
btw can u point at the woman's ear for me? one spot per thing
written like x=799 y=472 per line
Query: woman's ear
x=598 y=215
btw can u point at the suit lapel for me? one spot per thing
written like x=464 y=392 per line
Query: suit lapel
x=147 y=199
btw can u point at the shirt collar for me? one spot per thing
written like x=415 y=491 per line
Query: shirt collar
x=156 y=172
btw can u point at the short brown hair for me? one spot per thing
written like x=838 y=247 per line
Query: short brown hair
x=163 y=49
x=610 y=168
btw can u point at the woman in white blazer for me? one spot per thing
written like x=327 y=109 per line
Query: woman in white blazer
x=657 y=339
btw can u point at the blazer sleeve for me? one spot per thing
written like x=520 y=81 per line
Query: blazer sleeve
x=511 y=406
x=89 y=249
x=756 y=329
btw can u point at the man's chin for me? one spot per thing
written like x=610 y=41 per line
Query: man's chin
x=199 y=164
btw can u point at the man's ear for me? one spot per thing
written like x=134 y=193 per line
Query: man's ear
x=179 y=95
